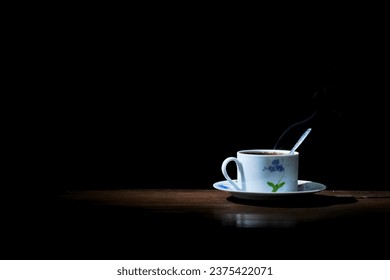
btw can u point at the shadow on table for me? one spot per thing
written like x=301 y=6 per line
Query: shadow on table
x=313 y=200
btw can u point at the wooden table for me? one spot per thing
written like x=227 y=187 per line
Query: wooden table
x=203 y=224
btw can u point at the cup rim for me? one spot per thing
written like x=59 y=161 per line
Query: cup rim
x=280 y=152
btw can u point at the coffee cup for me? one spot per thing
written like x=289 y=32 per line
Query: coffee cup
x=264 y=170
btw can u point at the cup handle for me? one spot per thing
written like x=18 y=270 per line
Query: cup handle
x=226 y=175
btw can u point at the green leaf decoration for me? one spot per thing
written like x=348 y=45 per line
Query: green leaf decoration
x=276 y=187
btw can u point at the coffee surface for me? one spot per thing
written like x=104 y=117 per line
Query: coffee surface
x=262 y=153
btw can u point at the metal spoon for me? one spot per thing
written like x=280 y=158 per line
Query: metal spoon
x=300 y=140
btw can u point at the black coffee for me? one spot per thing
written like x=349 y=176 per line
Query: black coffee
x=262 y=153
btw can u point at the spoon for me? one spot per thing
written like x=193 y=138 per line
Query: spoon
x=300 y=140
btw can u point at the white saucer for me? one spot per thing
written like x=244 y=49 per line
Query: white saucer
x=304 y=188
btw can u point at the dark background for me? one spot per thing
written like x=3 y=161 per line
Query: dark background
x=168 y=122
x=161 y=105
x=148 y=98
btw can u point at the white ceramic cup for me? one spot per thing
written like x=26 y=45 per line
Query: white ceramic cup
x=264 y=170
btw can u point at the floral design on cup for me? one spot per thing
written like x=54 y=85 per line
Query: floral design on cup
x=276 y=166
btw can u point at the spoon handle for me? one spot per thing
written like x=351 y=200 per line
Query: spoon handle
x=300 y=140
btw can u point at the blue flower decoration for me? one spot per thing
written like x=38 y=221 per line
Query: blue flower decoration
x=224 y=187
x=275 y=166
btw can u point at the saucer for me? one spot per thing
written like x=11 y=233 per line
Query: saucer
x=304 y=188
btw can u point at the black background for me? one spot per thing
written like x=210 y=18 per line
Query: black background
x=145 y=105
x=99 y=99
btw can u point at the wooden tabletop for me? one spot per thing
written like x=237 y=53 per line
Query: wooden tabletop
x=205 y=223
x=225 y=210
